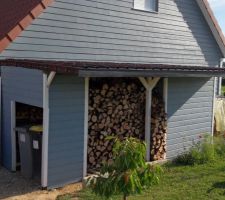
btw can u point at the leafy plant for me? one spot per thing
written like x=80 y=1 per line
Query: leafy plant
x=129 y=174
x=219 y=146
x=65 y=197
x=202 y=152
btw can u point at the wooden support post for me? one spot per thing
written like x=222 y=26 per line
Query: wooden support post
x=44 y=162
x=149 y=85
x=47 y=80
x=86 y=102
x=148 y=121
x=13 y=134
x=165 y=92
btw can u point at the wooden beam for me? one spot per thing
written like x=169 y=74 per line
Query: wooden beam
x=44 y=162
x=149 y=85
x=144 y=82
x=145 y=73
x=213 y=106
x=165 y=92
x=13 y=135
x=152 y=82
x=0 y=120
x=86 y=94
x=50 y=78
x=148 y=122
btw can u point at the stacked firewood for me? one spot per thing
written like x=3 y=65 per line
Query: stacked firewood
x=158 y=128
x=117 y=108
x=29 y=114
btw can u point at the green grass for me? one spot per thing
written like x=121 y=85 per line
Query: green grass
x=206 y=182
x=223 y=89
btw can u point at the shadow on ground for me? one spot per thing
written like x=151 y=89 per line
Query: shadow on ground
x=14 y=187
x=13 y=184
x=217 y=185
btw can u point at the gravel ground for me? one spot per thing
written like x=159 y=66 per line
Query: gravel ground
x=14 y=187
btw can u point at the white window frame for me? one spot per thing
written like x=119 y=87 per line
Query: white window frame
x=146 y=5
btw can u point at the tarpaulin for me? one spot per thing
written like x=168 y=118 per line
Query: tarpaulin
x=219 y=115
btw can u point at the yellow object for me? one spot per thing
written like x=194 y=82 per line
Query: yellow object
x=37 y=128
x=220 y=115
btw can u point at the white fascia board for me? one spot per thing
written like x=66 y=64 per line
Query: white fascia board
x=211 y=25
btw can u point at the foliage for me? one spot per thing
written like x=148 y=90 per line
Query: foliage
x=206 y=150
x=219 y=146
x=65 y=197
x=191 y=182
x=129 y=174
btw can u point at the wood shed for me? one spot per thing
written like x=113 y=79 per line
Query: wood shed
x=95 y=68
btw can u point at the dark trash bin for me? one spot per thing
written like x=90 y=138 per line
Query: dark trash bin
x=36 y=137
x=25 y=147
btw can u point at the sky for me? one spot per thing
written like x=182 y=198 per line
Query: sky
x=218 y=7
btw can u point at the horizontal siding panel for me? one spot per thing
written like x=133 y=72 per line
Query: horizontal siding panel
x=66 y=110
x=117 y=33
x=189 y=116
x=188 y=122
x=193 y=132
x=69 y=116
x=104 y=58
x=115 y=44
x=62 y=157
x=95 y=50
x=66 y=148
x=187 y=106
x=69 y=141
x=181 y=128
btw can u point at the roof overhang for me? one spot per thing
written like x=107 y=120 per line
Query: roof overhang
x=20 y=24
x=149 y=73
x=108 y=69
x=213 y=24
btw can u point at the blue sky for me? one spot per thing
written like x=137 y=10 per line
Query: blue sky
x=218 y=7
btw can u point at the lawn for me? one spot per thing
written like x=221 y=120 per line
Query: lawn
x=223 y=90
x=205 y=182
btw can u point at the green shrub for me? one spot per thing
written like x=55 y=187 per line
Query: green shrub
x=65 y=197
x=219 y=146
x=200 y=153
x=129 y=174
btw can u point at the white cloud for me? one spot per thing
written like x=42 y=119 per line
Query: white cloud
x=217 y=3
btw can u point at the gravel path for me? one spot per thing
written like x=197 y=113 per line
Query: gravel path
x=14 y=187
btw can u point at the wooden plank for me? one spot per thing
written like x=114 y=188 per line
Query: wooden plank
x=86 y=96
x=148 y=121
x=44 y=167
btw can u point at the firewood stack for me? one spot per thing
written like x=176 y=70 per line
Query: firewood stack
x=117 y=108
x=29 y=114
x=158 y=128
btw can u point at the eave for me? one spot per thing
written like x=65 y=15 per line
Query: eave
x=109 y=69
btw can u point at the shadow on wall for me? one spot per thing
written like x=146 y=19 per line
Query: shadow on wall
x=189 y=112
x=200 y=31
x=183 y=92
